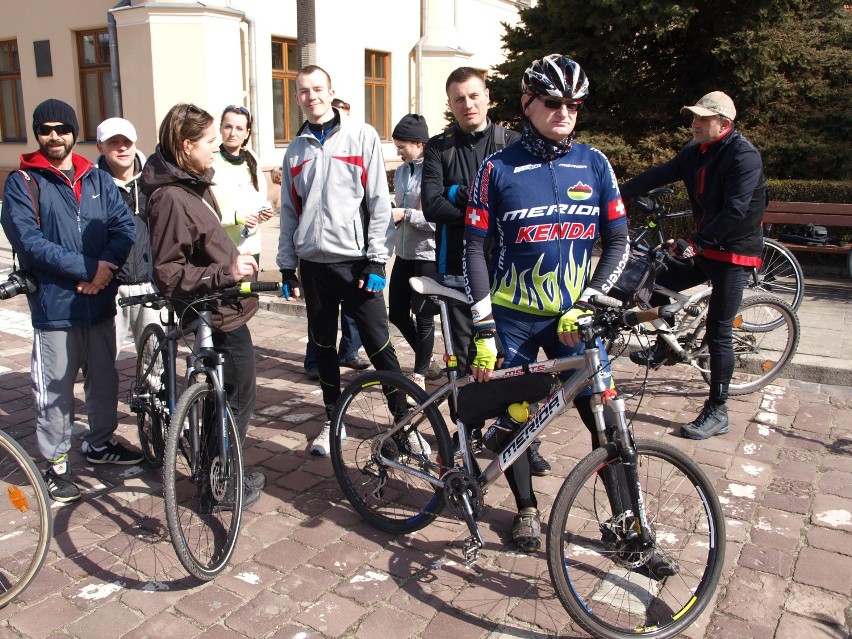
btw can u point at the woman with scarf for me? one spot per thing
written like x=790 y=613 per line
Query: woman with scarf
x=240 y=187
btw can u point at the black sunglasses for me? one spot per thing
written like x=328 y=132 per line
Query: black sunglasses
x=45 y=130
x=554 y=104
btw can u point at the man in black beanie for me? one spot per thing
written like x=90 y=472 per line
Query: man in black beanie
x=72 y=230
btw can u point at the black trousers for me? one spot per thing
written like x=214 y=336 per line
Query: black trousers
x=240 y=375
x=402 y=301
x=729 y=281
x=326 y=287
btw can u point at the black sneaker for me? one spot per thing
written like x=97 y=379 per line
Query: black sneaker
x=650 y=357
x=60 y=487
x=357 y=363
x=659 y=566
x=251 y=495
x=538 y=464
x=256 y=480
x=474 y=442
x=526 y=530
x=111 y=453
x=712 y=420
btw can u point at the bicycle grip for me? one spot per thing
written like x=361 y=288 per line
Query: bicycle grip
x=604 y=300
x=259 y=287
x=634 y=318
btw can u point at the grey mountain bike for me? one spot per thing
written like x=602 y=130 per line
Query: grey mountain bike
x=624 y=503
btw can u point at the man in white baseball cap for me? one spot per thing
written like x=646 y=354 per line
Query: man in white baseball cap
x=723 y=175
x=123 y=161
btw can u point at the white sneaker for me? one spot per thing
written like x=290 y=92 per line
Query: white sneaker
x=420 y=380
x=418 y=445
x=322 y=444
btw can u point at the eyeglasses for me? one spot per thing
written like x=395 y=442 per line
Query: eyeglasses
x=45 y=130
x=555 y=105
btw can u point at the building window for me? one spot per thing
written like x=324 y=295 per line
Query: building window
x=12 y=127
x=377 y=92
x=95 y=80
x=285 y=110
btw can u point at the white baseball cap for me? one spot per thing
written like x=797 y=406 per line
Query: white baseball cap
x=714 y=103
x=116 y=126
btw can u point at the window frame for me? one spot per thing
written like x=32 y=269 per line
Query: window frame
x=285 y=74
x=373 y=82
x=13 y=77
x=98 y=69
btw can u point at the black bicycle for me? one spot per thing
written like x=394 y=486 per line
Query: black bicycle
x=194 y=437
x=625 y=506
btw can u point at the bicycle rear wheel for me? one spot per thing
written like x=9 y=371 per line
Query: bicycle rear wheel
x=598 y=569
x=203 y=493
x=148 y=395
x=388 y=498
x=780 y=274
x=766 y=335
x=26 y=526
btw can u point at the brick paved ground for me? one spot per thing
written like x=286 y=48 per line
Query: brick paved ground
x=306 y=566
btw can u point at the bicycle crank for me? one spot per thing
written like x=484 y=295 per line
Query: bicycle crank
x=464 y=499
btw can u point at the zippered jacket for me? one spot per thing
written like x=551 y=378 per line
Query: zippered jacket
x=415 y=236
x=727 y=191
x=137 y=268
x=80 y=222
x=335 y=202
x=543 y=216
x=192 y=252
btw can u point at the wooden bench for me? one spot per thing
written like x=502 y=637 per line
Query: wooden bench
x=799 y=213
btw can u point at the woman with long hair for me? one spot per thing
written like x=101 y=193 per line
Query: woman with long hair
x=192 y=254
x=240 y=187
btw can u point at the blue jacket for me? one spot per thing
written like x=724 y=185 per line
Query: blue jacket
x=80 y=222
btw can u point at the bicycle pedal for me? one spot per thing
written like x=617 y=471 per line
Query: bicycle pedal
x=471 y=550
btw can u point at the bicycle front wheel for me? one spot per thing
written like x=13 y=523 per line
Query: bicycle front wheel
x=203 y=493
x=25 y=523
x=149 y=396
x=599 y=570
x=391 y=499
x=766 y=335
x=780 y=274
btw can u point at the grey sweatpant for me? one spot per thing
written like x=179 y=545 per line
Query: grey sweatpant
x=57 y=357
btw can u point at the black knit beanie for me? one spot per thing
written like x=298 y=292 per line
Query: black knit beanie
x=53 y=110
x=411 y=128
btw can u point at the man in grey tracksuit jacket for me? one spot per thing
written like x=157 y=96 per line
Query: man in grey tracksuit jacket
x=337 y=227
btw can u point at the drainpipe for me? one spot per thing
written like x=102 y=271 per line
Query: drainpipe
x=418 y=54
x=115 y=85
x=251 y=51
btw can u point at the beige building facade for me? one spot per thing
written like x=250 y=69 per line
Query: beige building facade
x=137 y=59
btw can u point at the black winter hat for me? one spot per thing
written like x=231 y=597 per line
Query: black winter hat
x=53 y=110
x=411 y=128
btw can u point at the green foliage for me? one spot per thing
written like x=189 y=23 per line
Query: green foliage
x=784 y=62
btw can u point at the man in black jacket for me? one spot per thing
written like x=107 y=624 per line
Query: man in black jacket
x=123 y=161
x=723 y=174
x=450 y=163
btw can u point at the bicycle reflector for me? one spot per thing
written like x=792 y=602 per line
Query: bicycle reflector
x=18 y=499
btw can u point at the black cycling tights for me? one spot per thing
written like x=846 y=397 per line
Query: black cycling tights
x=728 y=282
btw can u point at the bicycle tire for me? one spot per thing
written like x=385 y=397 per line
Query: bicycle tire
x=149 y=395
x=766 y=336
x=389 y=499
x=780 y=274
x=26 y=526
x=600 y=581
x=203 y=533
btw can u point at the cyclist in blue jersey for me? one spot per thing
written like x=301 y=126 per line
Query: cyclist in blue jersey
x=543 y=201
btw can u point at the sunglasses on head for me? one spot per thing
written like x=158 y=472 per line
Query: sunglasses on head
x=233 y=108
x=45 y=130
x=554 y=104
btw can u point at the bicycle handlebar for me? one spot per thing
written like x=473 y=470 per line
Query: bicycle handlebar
x=243 y=289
